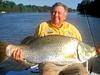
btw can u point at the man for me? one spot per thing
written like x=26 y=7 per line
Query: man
x=56 y=26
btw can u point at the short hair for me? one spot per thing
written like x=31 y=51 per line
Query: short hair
x=59 y=4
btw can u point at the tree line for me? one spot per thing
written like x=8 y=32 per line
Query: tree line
x=9 y=6
x=89 y=7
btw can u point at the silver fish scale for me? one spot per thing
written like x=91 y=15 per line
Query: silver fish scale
x=47 y=52
x=51 y=48
x=47 y=49
x=57 y=49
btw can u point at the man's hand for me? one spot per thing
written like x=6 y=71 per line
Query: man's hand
x=18 y=54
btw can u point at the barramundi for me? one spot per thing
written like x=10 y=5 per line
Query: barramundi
x=57 y=49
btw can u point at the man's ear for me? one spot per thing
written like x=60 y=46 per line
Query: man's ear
x=66 y=15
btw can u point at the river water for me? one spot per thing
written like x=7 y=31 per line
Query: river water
x=16 y=26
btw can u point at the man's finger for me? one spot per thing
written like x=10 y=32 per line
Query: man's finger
x=14 y=53
x=21 y=55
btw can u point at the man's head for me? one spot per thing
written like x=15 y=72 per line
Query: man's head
x=59 y=13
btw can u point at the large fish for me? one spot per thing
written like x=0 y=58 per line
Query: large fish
x=53 y=48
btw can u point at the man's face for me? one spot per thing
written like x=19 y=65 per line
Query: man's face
x=58 y=15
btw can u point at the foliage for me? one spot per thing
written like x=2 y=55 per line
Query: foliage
x=90 y=8
x=9 y=6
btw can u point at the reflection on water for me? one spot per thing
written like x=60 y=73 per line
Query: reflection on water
x=16 y=26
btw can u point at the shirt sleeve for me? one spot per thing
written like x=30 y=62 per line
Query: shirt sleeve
x=75 y=32
x=40 y=30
